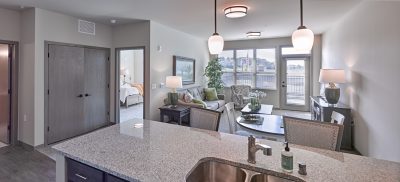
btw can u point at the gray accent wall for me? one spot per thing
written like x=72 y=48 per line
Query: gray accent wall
x=37 y=26
x=172 y=42
x=131 y=35
x=10 y=25
x=366 y=44
x=26 y=93
x=56 y=27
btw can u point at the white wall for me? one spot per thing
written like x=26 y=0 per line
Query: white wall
x=139 y=65
x=273 y=95
x=26 y=87
x=10 y=25
x=127 y=61
x=133 y=60
x=132 y=35
x=173 y=42
x=366 y=43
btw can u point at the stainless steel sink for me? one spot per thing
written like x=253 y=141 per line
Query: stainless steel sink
x=216 y=170
x=212 y=171
x=268 y=178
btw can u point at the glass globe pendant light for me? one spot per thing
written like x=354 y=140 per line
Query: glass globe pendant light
x=302 y=38
x=215 y=42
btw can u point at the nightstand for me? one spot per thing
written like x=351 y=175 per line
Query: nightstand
x=175 y=114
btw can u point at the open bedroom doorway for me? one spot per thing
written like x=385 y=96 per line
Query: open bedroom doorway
x=130 y=62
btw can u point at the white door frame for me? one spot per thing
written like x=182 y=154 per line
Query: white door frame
x=117 y=79
x=282 y=85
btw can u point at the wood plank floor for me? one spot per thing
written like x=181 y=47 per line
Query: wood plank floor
x=20 y=165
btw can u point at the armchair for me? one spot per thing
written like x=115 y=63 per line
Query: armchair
x=240 y=95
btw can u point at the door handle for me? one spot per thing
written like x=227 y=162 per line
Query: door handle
x=80 y=95
x=283 y=85
x=81 y=176
x=87 y=95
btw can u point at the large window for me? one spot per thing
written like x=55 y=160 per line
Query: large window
x=253 y=67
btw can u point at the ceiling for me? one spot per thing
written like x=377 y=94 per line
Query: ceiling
x=274 y=18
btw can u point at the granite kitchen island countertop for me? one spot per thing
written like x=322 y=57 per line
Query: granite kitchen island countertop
x=143 y=150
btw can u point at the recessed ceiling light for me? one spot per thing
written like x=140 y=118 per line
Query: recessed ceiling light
x=113 y=21
x=253 y=34
x=235 y=11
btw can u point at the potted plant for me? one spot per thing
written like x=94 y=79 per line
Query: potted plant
x=214 y=73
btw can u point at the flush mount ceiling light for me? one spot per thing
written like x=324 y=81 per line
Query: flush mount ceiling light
x=253 y=34
x=302 y=38
x=215 y=42
x=235 y=11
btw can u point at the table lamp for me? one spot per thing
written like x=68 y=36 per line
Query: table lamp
x=332 y=76
x=173 y=82
x=125 y=72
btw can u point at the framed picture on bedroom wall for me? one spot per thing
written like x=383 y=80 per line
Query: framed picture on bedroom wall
x=185 y=67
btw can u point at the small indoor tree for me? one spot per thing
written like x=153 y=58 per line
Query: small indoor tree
x=214 y=73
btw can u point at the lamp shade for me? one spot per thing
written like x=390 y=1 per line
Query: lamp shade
x=215 y=44
x=173 y=82
x=124 y=71
x=303 y=39
x=332 y=76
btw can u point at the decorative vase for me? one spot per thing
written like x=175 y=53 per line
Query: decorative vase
x=255 y=104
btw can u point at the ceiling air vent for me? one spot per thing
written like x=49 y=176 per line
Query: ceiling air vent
x=86 y=27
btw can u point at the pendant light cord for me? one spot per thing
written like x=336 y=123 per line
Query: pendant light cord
x=301 y=12
x=215 y=16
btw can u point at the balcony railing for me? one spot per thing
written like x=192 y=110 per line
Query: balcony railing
x=295 y=89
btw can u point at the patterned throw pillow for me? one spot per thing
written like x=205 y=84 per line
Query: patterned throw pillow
x=188 y=97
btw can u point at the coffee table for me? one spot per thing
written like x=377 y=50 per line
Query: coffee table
x=265 y=109
x=272 y=124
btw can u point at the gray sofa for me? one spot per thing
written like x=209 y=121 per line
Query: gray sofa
x=198 y=93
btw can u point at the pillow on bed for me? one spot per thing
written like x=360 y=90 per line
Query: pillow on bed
x=139 y=87
x=188 y=98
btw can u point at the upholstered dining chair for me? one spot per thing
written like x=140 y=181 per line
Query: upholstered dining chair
x=313 y=133
x=231 y=116
x=240 y=95
x=204 y=118
x=337 y=117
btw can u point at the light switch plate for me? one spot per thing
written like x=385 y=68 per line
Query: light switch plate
x=162 y=85
x=153 y=86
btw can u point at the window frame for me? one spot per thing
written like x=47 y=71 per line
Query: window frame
x=234 y=65
x=255 y=72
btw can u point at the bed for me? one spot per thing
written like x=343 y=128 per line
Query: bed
x=131 y=94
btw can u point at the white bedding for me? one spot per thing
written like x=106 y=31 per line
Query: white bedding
x=127 y=90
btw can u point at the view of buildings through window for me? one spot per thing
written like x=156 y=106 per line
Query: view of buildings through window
x=253 y=67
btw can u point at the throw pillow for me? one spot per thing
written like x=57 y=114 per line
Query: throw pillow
x=211 y=94
x=198 y=101
x=188 y=97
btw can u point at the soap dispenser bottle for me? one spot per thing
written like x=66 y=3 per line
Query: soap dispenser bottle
x=287 y=159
